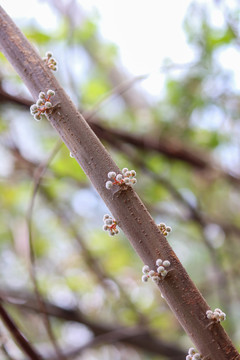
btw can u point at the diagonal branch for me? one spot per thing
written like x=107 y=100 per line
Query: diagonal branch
x=136 y=336
x=177 y=288
x=26 y=347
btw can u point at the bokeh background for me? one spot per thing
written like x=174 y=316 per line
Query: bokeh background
x=159 y=83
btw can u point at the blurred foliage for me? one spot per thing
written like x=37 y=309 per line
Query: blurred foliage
x=79 y=265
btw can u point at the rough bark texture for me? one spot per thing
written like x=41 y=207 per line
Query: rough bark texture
x=177 y=288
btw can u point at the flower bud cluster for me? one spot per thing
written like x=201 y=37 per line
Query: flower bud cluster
x=110 y=225
x=158 y=275
x=50 y=61
x=43 y=105
x=193 y=355
x=217 y=315
x=164 y=229
x=127 y=177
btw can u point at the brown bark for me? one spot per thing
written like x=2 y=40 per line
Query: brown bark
x=177 y=288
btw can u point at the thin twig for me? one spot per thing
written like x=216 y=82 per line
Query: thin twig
x=22 y=342
x=40 y=171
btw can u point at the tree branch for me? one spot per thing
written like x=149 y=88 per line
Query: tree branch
x=19 y=338
x=137 y=336
x=177 y=288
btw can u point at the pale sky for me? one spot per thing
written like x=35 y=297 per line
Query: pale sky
x=146 y=32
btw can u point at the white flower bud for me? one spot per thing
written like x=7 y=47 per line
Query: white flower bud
x=196 y=356
x=133 y=181
x=33 y=108
x=50 y=93
x=48 y=105
x=162 y=225
x=218 y=310
x=111 y=233
x=126 y=181
x=166 y=263
x=106 y=216
x=109 y=185
x=160 y=269
x=133 y=173
x=124 y=170
x=144 y=278
x=151 y=273
x=159 y=262
x=155 y=279
x=164 y=273
x=111 y=175
x=116 y=231
x=119 y=177
x=105 y=227
x=222 y=316
x=108 y=221
x=37 y=117
x=168 y=229
x=145 y=269
x=48 y=54
x=41 y=95
x=188 y=357
x=192 y=351
x=127 y=173
x=39 y=102
x=71 y=155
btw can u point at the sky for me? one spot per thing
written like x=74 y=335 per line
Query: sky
x=129 y=24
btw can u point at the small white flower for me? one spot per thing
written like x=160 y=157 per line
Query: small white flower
x=166 y=263
x=160 y=269
x=106 y=216
x=164 y=273
x=41 y=95
x=40 y=102
x=48 y=105
x=119 y=177
x=109 y=185
x=50 y=93
x=37 y=117
x=111 y=175
x=124 y=170
x=144 y=278
x=108 y=221
x=192 y=351
x=145 y=269
x=151 y=273
x=159 y=262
